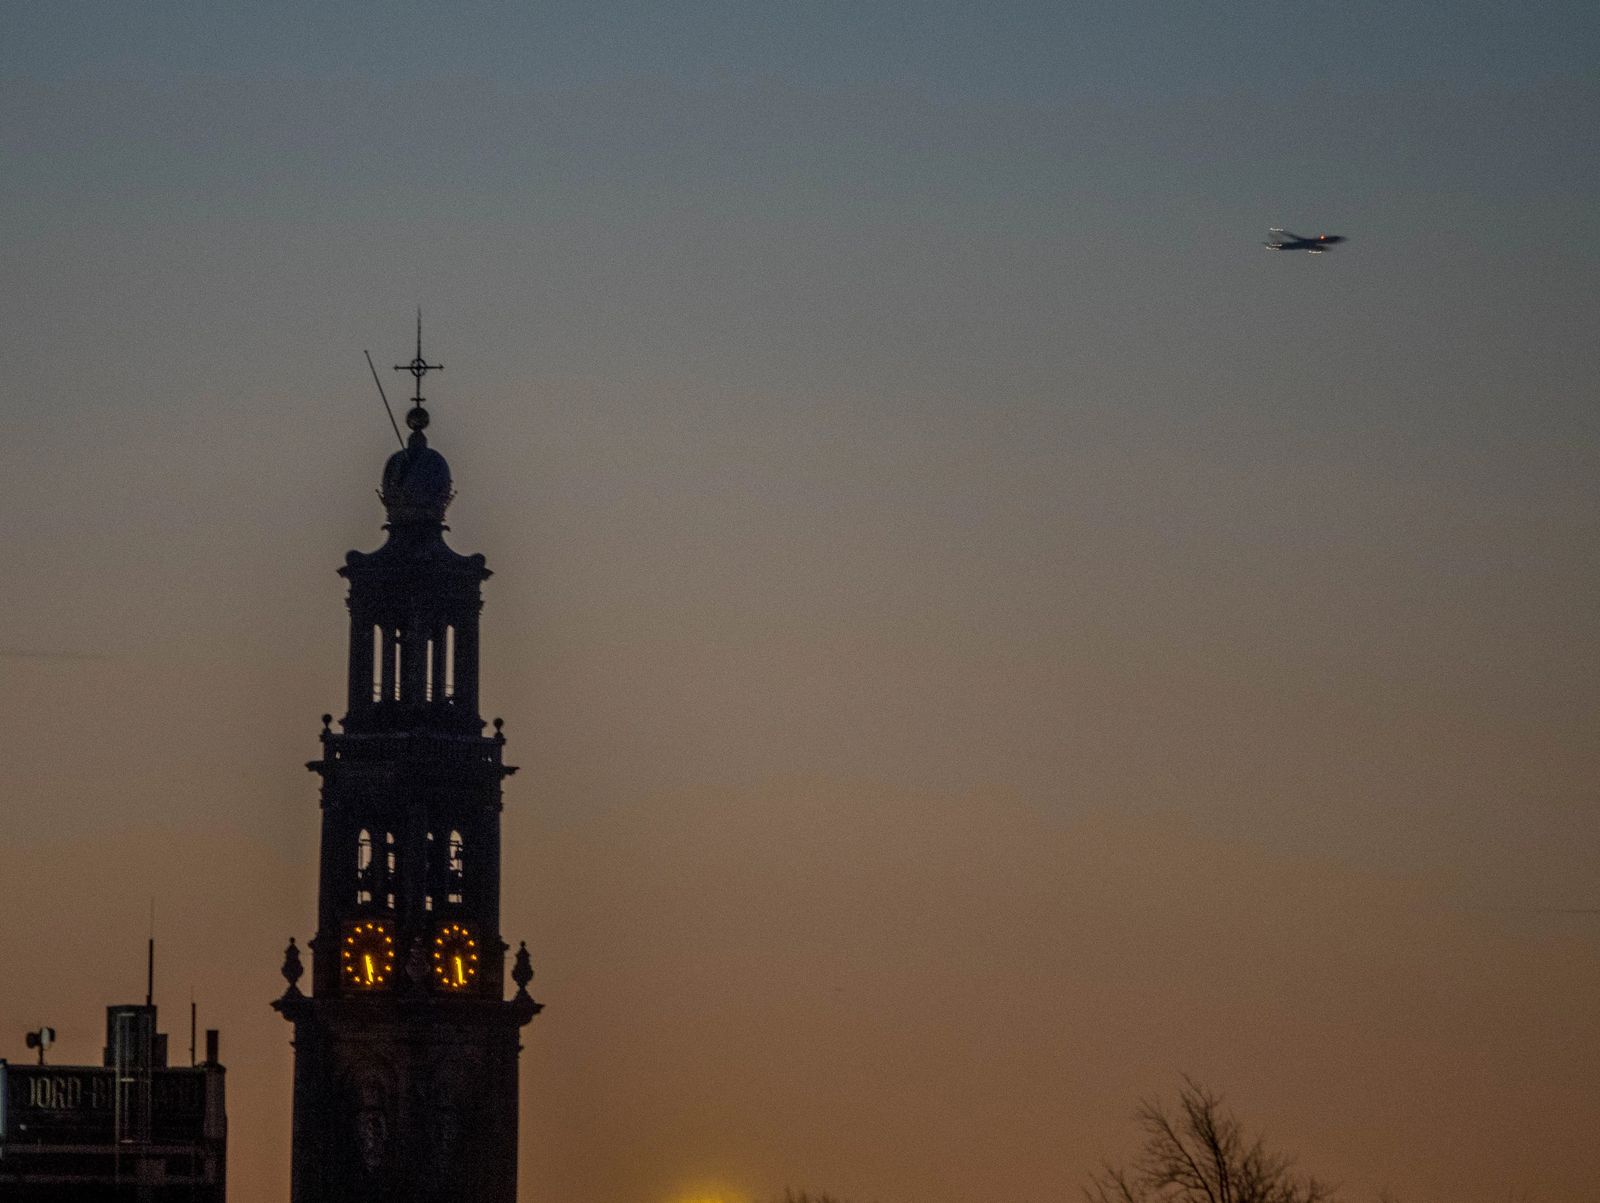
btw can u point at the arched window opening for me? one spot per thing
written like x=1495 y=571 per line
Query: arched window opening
x=432 y=875
x=450 y=661
x=386 y=662
x=363 y=867
x=455 y=868
x=390 y=862
x=456 y=846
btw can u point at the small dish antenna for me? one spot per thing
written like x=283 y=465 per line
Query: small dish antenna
x=41 y=1039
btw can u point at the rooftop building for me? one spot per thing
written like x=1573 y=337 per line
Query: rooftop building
x=133 y=1129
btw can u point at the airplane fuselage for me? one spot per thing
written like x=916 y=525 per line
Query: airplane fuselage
x=1315 y=245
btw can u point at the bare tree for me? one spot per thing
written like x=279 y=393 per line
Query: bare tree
x=1200 y=1154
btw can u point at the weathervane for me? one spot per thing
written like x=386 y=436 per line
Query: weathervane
x=419 y=367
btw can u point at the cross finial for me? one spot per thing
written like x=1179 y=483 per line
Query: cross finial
x=419 y=367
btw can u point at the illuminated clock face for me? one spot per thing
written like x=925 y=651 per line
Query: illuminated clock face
x=455 y=956
x=368 y=954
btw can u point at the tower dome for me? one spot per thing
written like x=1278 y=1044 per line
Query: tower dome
x=416 y=484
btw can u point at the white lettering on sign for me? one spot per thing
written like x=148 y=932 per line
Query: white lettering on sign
x=55 y=1093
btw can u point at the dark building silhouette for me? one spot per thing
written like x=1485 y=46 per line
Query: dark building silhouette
x=131 y=1130
x=405 y=1051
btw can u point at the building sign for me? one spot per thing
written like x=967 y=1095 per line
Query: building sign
x=71 y=1104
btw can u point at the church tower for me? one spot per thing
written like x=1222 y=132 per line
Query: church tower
x=405 y=1050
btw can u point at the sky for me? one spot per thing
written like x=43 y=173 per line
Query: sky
x=982 y=638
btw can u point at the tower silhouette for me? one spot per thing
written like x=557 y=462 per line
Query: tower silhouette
x=405 y=1051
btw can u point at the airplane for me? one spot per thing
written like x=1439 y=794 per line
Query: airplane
x=1287 y=240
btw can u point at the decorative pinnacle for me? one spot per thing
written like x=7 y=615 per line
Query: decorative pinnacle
x=419 y=367
x=522 y=971
x=292 y=969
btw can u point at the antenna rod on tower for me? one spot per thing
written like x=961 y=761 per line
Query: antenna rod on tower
x=385 y=397
x=191 y=1024
x=150 y=958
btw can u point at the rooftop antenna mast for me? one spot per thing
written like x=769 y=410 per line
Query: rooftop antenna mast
x=150 y=959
